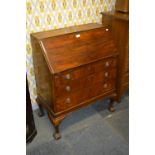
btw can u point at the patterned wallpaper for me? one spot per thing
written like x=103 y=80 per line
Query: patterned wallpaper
x=43 y=15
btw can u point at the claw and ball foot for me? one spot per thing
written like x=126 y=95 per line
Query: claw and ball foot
x=56 y=121
x=57 y=134
x=111 y=105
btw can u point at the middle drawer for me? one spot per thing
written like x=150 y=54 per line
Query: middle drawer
x=85 y=82
x=84 y=71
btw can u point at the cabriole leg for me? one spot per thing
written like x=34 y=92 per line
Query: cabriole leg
x=111 y=105
x=56 y=121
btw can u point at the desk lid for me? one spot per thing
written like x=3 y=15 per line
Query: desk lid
x=77 y=46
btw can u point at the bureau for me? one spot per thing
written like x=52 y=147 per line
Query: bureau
x=74 y=67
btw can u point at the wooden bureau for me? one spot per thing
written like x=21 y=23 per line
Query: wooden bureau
x=119 y=24
x=74 y=67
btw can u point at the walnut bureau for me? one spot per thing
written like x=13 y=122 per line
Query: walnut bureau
x=74 y=67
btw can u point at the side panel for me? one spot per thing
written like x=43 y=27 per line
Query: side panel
x=43 y=76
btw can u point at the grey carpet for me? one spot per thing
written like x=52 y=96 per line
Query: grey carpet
x=90 y=131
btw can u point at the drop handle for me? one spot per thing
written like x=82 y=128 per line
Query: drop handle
x=107 y=64
x=77 y=35
x=105 y=85
x=67 y=77
x=68 y=100
x=106 y=74
x=107 y=29
x=68 y=88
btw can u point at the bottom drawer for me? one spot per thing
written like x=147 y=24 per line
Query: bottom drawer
x=82 y=95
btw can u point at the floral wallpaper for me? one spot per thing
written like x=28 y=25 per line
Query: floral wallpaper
x=42 y=15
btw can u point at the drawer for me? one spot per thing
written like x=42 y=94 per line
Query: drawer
x=71 y=86
x=84 y=71
x=104 y=64
x=82 y=95
x=76 y=38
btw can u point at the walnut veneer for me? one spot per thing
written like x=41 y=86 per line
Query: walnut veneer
x=74 y=67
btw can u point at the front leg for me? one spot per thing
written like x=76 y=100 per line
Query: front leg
x=57 y=134
x=40 y=111
x=111 y=105
x=56 y=123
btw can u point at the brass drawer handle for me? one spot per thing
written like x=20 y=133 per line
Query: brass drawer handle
x=77 y=35
x=106 y=74
x=105 y=85
x=107 y=29
x=68 y=100
x=107 y=64
x=68 y=88
x=67 y=77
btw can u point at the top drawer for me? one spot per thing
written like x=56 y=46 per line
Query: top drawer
x=84 y=71
x=76 y=38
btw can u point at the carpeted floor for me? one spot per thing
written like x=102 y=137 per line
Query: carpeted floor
x=92 y=130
